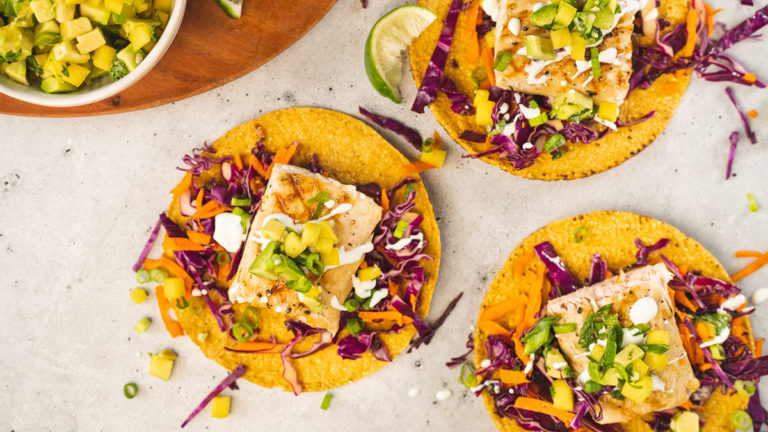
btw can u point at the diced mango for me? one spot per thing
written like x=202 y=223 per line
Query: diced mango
x=327 y=231
x=483 y=107
x=163 y=5
x=220 y=406
x=173 y=288
x=685 y=421
x=629 y=354
x=608 y=111
x=138 y=295
x=75 y=74
x=114 y=6
x=43 y=10
x=90 y=41
x=293 y=245
x=597 y=352
x=656 y=337
x=103 y=57
x=324 y=244
x=311 y=234
x=656 y=361
x=74 y=28
x=66 y=52
x=639 y=390
x=142 y=325
x=578 y=47
x=330 y=258
x=160 y=367
x=562 y=395
x=64 y=11
x=561 y=38
x=640 y=367
x=368 y=273
x=435 y=157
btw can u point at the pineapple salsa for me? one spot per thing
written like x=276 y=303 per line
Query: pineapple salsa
x=64 y=45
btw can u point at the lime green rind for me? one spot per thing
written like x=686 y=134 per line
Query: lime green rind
x=232 y=9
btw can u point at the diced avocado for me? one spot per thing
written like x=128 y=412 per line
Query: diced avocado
x=114 y=6
x=66 y=52
x=639 y=390
x=545 y=16
x=17 y=71
x=273 y=230
x=657 y=337
x=640 y=367
x=43 y=10
x=565 y=14
x=656 y=361
x=330 y=258
x=293 y=245
x=53 y=84
x=262 y=265
x=90 y=41
x=131 y=57
x=163 y=5
x=163 y=17
x=25 y=18
x=562 y=395
x=313 y=305
x=287 y=269
x=41 y=60
x=629 y=354
x=610 y=111
x=139 y=32
x=98 y=15
x=74 y=28
x=554 y=357
x=311 y=234
x=103 y=57
x=539 y=48
x=15 y=43
x=141 y=5
x=64 y=11
x=570 y=104
x=50 y=26
x=611 y=377
x=76 y=74
x=604 y=19
x=561 y=38
x=578 y=46
x=591 y=6
x=685 y=421
x=95 y=73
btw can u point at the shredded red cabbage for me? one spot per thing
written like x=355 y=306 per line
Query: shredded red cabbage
x=561 y=279
x=227 y=382
x=456 y=361
x=353 y=347
x=734 y=138
x=756 y=411
x=199 y=163
x=373 y=190
x=644 y=251
x=715 y=366
x=744 y=119
x=411 y=135
x=430 y=85
x=473 y=136
x=597 y=270
x=314 y=165
x=301 y=331
x=460 y=103
x=418 y=341
x=148 y=246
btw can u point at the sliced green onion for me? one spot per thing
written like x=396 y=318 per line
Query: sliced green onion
x=196 y=305
x=592 y=387
x=142 y=276
x=752 y=203
x=533 y=104
x=400 y=229
x=222 y=258
x=565 y=328
x=241 y=202
x=243 y=218
x=202 y=337
x=479 y=75
x=326 y=401
x=580 y=234
x=130 y=390
x=641 y=328
x=410 y=187
x=302 y=285
x=554 y=142
x=238 y=328
x=182 y=303
x=467 y=375
x=314 y=264
x=502 y=61
x=744 y=387
x=426 y=146
x=352 y=305
x=717 y=351
x=741 y=420
x=661 y=349
x=538 y=120
x=158 y=274
x=354 y=325
x=254 y=318
x=321 y=198
x=595 y=59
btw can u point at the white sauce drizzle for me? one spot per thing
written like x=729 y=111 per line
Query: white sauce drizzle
x=491 y=7
x=406 y=241
x=643 y=310
x=363 y=289
x=529 y=113
x=378 y=296
x=606 y=123
x=514 y=26
x=652 y=15
x=335 y=303
x=444 y=394
x=720 y=338
x=658 y=383
x=760 y=295
x=228 y=231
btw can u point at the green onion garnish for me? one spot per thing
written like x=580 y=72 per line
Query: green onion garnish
x=752 y=203
x=741 y=420
x=595 y=59
x=196 y=305
x=321 y=198
x=242 y=331
x=554 y=142
x=592 y=387
x=580 y=234
x=426 y=146
x=222 y=258
x=326 y=401
x=354 y=325
x=744 y=387
x=352 y=305
x=467 y=375
x=410 y=187
x=479 y=75
x=302 y=285
x=243 y=218
x=533 y=104
x=314 y=264
x=564 y=328
x=241 y=202
x=400 y=229
x=182 y=303
x=641 y=328
x=158 y=274
x=130 y=390
x=538 y=120
x=503 y=59
x=659 y=349
x=254 y=318
x=142 y=276
x=717 y=351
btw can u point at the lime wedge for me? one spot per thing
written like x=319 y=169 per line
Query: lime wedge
x=233 y=8
x=387 y=44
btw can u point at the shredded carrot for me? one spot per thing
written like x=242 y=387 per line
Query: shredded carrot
x=473 y=47
x=705 y=366
x=683 y=269
x=238 y=161
x=544 y=407
x=178 y=244
x=486 y=58
x=683 y=300
x=199 y=238
x=703 y=329
x=520 y=350
x=390 y=315
x=748 y=254
x=752 y=114
x=391 y=261
x=223 y=271
x=492 y=328
x=199 y=199
x=608 y=274
x=748 y=270
x=750 y=77
x=210 y=209
x=173 y=327
x=256 y=164
x=759 y=347
x=393 y=289
x=687 y=404
x=437 y=142
x=384 y=200
x=415 y=167
x=498 y=310
x=183 y=185
x=174 y=269
x=283 y=156
x=512 y=377
x=690 y=23
x=488 y=141
x=710 y=13
x=259 y=347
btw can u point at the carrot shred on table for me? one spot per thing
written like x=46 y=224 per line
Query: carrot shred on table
x=390 y=315
x=756 y=265
x=415 y=167
x=748 y=254
x=492 y=328
x=512 y=377
x=183 y=185
x=259 y=347
x=283 y=156
x=384 y=200
x=498 y=310
x=473 y=46
x=199 y=238
x=710 y=14
x=437 y=142
x=238 y=161
x=690 y=24
x=173 y=327
x=209 y=210
x=608 y=274
x=486 y=57
x=256 y=164
x=752 y=113
x=750 y=77
x=544 y=407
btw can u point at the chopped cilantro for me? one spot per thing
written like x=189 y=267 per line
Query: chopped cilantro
x=34 y=66
x=118 y=70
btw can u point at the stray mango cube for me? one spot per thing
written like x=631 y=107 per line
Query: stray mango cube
x=220 y=406
x=160 y=367
x=138 y=295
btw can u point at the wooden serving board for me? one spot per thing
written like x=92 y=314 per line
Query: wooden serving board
x=209 y=50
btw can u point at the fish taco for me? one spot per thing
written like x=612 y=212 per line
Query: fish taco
x=297 y=254
x=613 y=321
x=556 y=90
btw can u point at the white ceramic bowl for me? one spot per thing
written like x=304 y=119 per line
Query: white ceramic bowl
x=100 y=89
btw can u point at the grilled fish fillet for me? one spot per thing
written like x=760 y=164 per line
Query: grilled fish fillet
x=287 y=192
x=622 y=291
x=557 y=77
